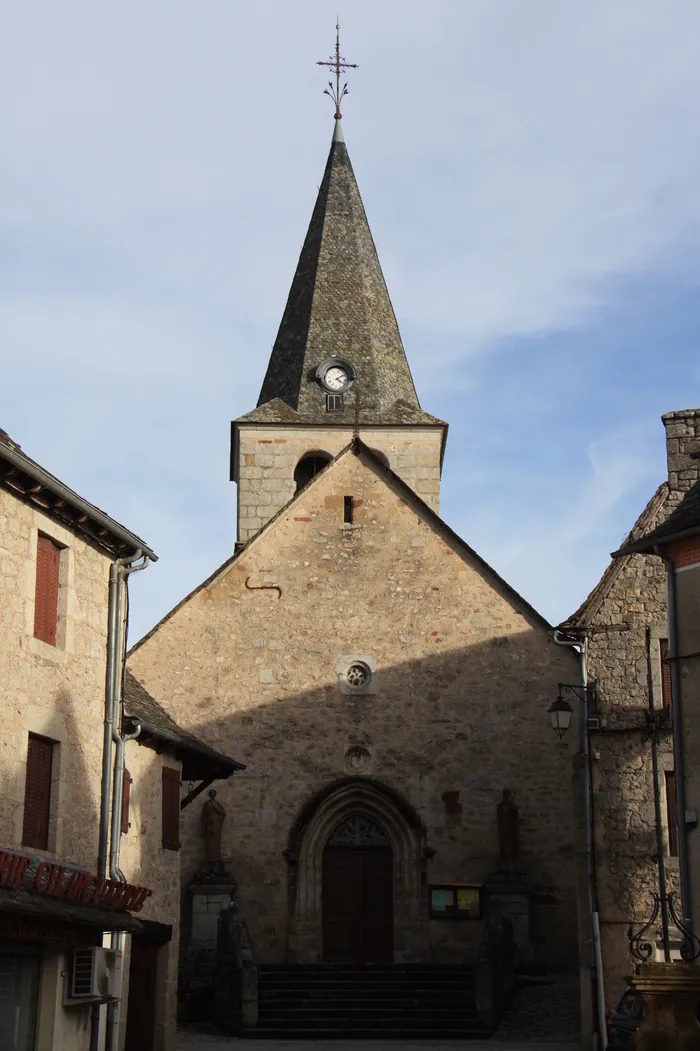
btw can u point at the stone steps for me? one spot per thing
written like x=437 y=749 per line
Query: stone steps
x=367 y=1000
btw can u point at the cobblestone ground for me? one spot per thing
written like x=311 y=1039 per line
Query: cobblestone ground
x=544 y=1012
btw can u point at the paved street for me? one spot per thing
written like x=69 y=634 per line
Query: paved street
x=189 y=1041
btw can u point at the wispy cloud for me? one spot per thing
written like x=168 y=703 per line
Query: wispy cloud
x=520 y=164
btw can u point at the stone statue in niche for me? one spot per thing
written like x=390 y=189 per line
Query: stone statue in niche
x=213 y=817
x=508 y=839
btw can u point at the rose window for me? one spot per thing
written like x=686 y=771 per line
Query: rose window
x=358 y=675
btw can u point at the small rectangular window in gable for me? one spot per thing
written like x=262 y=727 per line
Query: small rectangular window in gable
x=665 y=673
x=126 y=794
x=334 y=402
x=37 y=793
x=46 y=591
x=671 y=813
x=347 y=509
x=171 y=808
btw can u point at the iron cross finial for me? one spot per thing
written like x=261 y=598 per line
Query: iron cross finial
x=337 y=63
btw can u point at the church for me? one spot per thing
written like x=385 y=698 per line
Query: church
x=385 y=687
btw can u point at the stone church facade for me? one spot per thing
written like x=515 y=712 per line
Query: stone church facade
x=381 y=682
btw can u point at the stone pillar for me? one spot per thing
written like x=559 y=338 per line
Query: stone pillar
x=671 y=994
x=211 y=891
x=508 y=895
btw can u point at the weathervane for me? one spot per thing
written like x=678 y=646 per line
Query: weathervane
x=338 y=63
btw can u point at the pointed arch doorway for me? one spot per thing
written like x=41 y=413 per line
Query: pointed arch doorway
x=357 y=853
x=358 y=893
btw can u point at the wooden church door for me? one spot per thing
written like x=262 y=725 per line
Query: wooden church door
x=358 y=894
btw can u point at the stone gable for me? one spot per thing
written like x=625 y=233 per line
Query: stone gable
x=463 y=672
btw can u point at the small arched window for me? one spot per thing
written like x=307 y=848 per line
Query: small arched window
x=308 y=467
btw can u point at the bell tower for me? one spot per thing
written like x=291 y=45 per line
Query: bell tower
x=338 y=367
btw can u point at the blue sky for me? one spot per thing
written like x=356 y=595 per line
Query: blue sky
x=530 y=173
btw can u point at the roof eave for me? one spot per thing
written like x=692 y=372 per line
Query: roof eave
x=649 y=545
x=223 y=764
x=107 y=527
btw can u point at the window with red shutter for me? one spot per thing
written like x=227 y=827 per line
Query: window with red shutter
x=171 y=808
x=46 y=592
x=671 y=812
x=37 y=793
x=665 y=673
x=126 y=794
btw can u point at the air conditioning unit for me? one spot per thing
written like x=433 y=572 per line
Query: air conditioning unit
x=95 y=976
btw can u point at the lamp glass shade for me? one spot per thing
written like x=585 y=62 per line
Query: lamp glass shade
x=560 y=715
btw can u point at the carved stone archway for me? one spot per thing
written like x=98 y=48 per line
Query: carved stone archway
x=406 y=834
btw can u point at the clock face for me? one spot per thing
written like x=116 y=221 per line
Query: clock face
x=335 y=378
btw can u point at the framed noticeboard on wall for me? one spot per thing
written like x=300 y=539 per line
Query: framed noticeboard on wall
x=455 y=901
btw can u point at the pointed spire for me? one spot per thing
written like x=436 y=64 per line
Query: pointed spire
x=339 y=306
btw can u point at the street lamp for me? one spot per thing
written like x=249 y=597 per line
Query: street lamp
x=560 y=714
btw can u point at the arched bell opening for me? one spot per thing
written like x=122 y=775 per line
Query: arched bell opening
x=308 y=467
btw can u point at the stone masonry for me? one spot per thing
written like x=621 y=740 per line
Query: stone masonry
x=268 y=458
x=464 y=671
x=58 y=692
x=629 y=600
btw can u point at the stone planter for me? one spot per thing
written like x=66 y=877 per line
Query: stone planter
x=671 y=994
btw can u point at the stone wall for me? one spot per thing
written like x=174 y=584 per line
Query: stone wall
x=629 y=600
x=456 y=710
x=145 y=862
x=268 y=457
x=58 y=692
x=55 y=691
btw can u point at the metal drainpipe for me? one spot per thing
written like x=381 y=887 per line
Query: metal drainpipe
x=117 y=937
x=678 y=749
x=582 y=647
x=119 y=739
x=118 y=571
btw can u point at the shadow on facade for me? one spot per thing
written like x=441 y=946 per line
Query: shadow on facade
x=444 y=734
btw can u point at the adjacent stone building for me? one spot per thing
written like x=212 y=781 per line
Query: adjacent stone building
x=61 y=888
x=677 y=542
x=383 y=684
x=625 y=627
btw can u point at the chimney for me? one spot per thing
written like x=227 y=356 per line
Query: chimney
x=682 y=448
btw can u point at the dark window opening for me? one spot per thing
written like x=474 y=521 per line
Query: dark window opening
x=665 y=673
x=126 y=794
x=671 y=813
x=37 y=793
x=334 y=402
x=46 y=592
x=308 y=467
x=171 y=808
x=347 y=509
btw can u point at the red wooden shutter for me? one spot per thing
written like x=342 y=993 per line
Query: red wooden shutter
x=126 y=794
x=46 y=593
x=671 y=812
x=171 y=808
x=37 y=793
x=665 y=673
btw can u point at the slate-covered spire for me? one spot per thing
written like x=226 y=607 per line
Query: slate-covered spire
x=339 y=306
